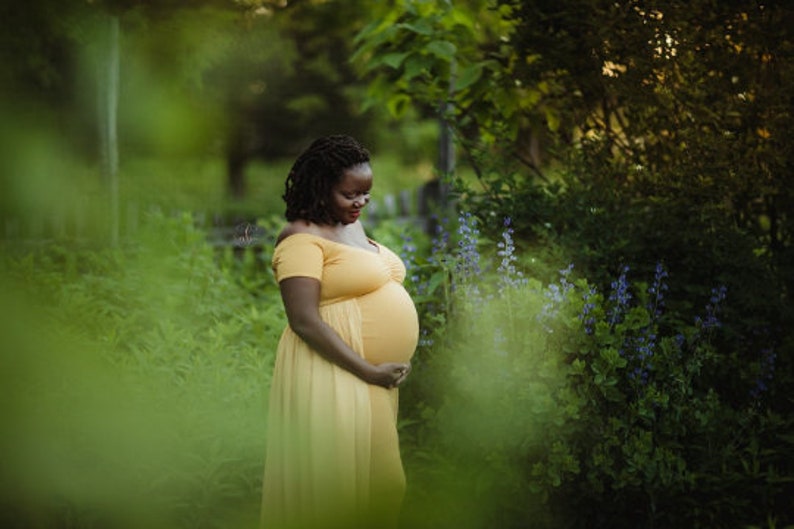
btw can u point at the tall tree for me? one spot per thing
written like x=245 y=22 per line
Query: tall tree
x=307 y=86
x=44 y=43
x=686 y=97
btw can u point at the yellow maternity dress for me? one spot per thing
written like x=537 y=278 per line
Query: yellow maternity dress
x=333 y=457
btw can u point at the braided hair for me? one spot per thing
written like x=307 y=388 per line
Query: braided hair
x=314 y=174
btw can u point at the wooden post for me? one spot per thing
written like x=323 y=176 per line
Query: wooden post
x=436 y=192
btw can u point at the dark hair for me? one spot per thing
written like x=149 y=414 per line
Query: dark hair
x=314 y=174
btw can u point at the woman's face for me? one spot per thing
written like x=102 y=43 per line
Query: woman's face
x=351 y=194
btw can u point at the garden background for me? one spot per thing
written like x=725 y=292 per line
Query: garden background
x=593 y=198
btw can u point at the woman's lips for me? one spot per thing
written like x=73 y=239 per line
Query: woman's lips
x=355 y=214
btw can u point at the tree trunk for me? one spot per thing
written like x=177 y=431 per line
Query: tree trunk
x=235 y=170
x=108 y=126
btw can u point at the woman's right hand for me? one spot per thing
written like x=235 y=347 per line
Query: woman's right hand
x=388 y=375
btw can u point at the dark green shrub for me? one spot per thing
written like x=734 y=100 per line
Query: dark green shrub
x=573 y=405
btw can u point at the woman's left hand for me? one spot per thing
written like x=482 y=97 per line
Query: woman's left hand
x=390 y=374
x=403 y=372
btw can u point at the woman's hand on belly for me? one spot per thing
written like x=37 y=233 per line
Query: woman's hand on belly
x=389 y=374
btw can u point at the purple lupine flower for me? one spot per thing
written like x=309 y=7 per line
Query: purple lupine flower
x=509 y=276
x=639 y=352
x=620 y=297
x=643 y=356
x=564 y=283
x=713 y=308
x=656 y=291
x=408 y=256
x=408 y=253
x=468 y=256
x=555 y=294
x=440 y=242
x=424 y=338
x=586 y=316
x=766 y=373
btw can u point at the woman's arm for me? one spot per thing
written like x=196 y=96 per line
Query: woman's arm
x=301 y=296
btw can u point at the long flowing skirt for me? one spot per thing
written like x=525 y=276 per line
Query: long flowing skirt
x=318 y=470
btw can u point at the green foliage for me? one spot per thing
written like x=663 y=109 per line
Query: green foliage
x=681 y=106
x=305 y=88
x=434 y=54
x=614 y=134
x=609 y=134
x=135 y=381
x=566 y=404
x=558 y=403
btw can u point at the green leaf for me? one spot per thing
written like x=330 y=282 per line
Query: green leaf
x=612 y=358
x=468 y=76
x=371 y=40
x=393 y=60
x=376 y=92
x=442 y=49
x=414 y=66
x=376 y=28
x=422 y=27
x=459 y=17
x=552 y=119
x=577 y=367
x=435 y=281
x=398 y=104
x=529 y=98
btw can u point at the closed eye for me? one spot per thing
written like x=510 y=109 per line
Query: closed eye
x=351 y=196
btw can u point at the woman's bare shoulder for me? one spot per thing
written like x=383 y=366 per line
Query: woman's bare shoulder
x=298 y=226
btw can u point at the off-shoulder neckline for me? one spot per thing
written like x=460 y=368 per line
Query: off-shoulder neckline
x=372 y=243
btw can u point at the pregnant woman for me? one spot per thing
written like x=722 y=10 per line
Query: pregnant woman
x=333 y=457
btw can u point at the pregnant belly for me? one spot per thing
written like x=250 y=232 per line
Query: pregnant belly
x=390 y=326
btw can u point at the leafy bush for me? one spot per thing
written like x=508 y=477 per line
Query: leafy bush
x=136 y=380
x=566 y=404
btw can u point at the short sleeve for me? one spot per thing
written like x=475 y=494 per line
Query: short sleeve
x=298 y=256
